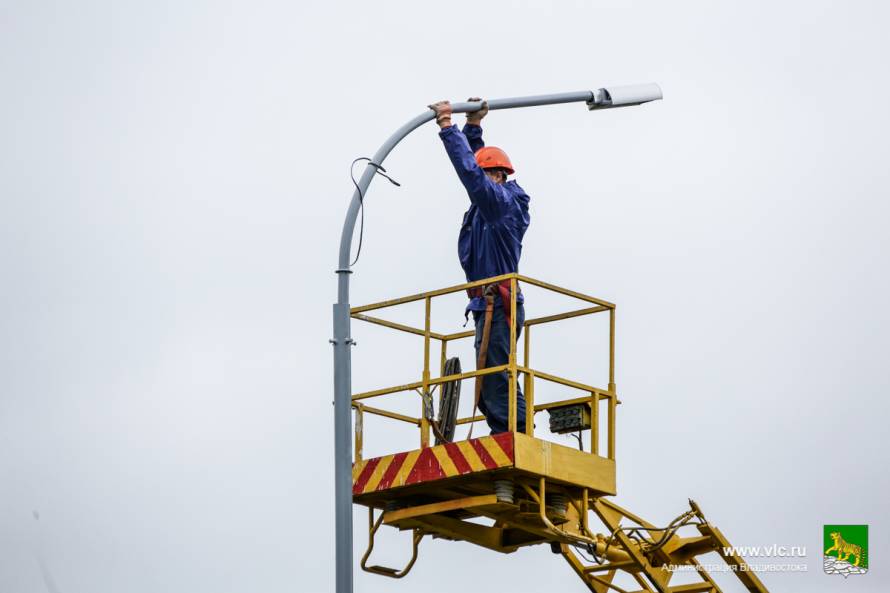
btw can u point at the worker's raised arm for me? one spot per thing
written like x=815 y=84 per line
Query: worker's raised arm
x=473 y=128
x=483 y=192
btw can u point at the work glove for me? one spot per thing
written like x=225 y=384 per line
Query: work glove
x=475 y=117
x=443 y=113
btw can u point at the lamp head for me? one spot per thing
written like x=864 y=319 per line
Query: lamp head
x=624 y=96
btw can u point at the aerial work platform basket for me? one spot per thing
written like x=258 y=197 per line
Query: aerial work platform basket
x=514 y=489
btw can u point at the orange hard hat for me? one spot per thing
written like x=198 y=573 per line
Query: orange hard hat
x=490 y=157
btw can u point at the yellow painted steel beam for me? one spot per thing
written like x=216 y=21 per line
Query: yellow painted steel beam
x=585 y=515
x=568 y=382
x=612 y=350
x=529 y=420
x=470 y=419
x=594 y=423
x=468 y=375
x=359 y=432
x=443 y=356
x=419 y=384
x=688 y=547
x=537 y=407
x=488 y=371
x=511 y=363
x=439 y=507
x=566 y=315
x=564 y=291
x=693 y=588
x=465 y=420
x=459 y=335
x=565 y=402
x=387 y=390
x=530 y=404
x=394 y=325
x=483 y=282
x=432 y=293
x=535 y=321
x=424 y=422
x=388 y=414
x=481 y=535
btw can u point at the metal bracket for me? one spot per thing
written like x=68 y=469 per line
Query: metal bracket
x=386 y=571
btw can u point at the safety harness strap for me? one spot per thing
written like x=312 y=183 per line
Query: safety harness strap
x=482 y=358
x=503 y=289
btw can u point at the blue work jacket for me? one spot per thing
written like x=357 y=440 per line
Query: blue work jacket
x=490 y=240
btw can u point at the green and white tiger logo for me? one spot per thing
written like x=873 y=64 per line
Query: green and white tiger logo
x=849 y=544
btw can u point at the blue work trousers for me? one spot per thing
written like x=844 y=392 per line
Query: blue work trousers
x=494 y=400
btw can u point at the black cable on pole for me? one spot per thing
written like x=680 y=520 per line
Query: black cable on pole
x=361 y=197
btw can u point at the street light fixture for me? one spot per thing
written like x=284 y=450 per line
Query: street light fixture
x=604 y=98
x=624 y=96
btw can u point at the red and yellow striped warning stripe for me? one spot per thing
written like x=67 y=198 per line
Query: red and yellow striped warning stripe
x=432 y=463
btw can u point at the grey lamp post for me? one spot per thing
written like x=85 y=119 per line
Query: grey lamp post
x=604 y=98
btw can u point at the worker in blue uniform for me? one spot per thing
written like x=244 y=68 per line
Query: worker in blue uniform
x=489 y=244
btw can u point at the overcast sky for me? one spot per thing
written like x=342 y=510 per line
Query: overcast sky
x=173 y=180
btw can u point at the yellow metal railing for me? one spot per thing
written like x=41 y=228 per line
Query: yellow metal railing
x=594 y=394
